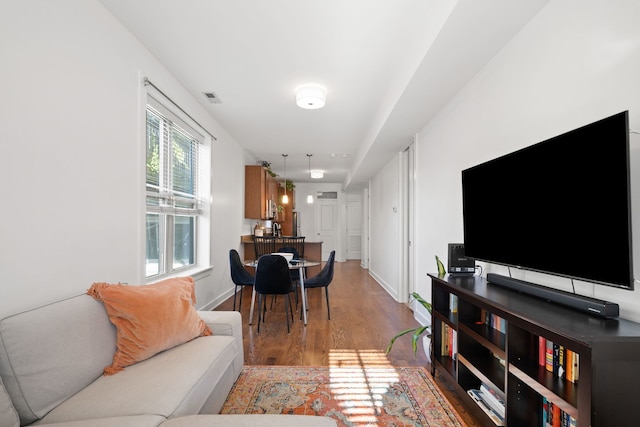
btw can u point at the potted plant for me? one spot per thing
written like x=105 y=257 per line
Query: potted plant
x=416 y=332
x=267 y=166
x=290 y=185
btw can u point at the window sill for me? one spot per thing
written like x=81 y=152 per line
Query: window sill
x=198 y=273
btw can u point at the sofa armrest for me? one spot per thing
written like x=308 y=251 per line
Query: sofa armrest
x=227 y=323
x=223 y=322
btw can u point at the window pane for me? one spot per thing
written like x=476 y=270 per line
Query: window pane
x=153 y=244
x=184 y=163
x=184 y=241
x=153 y=150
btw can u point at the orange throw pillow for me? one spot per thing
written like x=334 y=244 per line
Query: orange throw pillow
x=149 y=318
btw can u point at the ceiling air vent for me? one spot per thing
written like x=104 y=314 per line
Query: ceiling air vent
x=212 y=97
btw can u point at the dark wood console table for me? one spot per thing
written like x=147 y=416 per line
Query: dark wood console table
x=504 y=354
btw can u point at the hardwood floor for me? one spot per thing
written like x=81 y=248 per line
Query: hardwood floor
x=364 y=317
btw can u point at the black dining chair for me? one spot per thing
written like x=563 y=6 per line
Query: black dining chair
x=264 y=245
x=239 y=275
x=323 y=279
x=273 y=278
x=295 y=273
x=296 y=242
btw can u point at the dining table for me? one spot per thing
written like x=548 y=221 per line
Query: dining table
x=295 y=264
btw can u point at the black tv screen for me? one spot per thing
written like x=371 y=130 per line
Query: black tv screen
x=561 y=206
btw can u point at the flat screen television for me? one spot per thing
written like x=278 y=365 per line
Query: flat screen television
x=561 y=206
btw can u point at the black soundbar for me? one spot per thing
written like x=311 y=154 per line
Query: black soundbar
x=585 y=304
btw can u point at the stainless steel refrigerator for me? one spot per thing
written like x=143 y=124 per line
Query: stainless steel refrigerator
x=295 y=222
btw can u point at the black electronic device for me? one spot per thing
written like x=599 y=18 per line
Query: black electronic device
x=593 y=306
x=458 y=262
x=561 y=206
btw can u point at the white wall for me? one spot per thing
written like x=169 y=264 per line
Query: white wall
x=385 y=227
x=576 y=62
x=72 y=162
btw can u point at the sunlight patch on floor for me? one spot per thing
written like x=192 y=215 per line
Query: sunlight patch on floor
x=359 y=379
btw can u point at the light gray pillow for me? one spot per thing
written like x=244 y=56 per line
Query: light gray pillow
x=8 y=414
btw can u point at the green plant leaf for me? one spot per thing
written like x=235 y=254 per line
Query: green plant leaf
x=427 y=305
x=398 y=335
x=416 y=336
x=441 y=269
x=416 y=332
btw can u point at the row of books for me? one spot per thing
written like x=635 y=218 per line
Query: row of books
x=490 y=402
x=449 y=342
x=553 y=416
x=494 y=321
x=559 y=360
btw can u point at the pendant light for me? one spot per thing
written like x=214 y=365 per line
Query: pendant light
x=285 y=198
x=309 y=196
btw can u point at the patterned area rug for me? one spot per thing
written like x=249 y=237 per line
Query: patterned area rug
x=352 y=395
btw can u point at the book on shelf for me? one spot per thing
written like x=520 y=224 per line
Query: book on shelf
x=476 y=395
x=449 y=342
x=548 y=360
x=492 y=399
x=561 y=361
x=555 y=359
x=444 y=342
x=453 y=344
x=495 y=322
x=453 y=303
x=576 y=367
x=553 y=416
x=569 y=364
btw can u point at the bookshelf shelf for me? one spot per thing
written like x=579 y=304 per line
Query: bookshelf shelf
x=489 y=337
x=540 y=358
x=449 y=318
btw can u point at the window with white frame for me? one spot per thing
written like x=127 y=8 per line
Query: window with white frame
x=175 y=173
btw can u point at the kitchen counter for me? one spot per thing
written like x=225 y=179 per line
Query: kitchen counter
x=312 y=252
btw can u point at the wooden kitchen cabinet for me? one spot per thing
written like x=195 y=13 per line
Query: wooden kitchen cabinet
x=259 y=188
x=286 y=216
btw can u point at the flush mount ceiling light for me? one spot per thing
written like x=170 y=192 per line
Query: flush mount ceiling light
x=310 y=97
x=317 y=173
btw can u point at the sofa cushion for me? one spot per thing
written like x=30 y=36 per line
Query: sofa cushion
x=50 y=353
x=251 y=420
x=175 y=382
x=8 y=414
x=149 y=318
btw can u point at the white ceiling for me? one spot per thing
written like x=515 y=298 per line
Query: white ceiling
x=388 y=65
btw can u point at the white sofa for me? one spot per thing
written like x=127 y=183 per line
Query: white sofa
x=52 y=360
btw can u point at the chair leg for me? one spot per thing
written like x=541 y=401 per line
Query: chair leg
x=235 y=290
x=326 y=292
x=287 y=305
x=259 y=310
x=234 y=297
x=264 y=308
x=290 y=306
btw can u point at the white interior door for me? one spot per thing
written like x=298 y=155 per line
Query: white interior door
x=327 y=225
x=354 y=229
